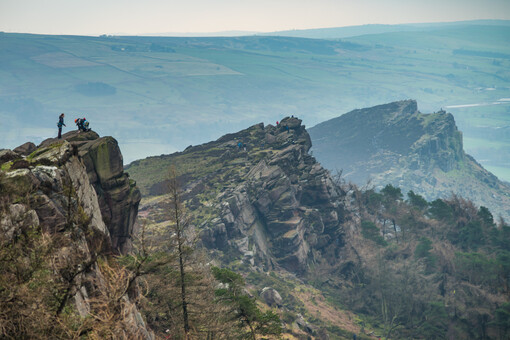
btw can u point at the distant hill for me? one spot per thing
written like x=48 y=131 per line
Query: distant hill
x=353 y=31
x=395 y=143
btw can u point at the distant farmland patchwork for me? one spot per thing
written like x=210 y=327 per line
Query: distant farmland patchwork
x=158 y=95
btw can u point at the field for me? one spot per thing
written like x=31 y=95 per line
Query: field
x=158 y=95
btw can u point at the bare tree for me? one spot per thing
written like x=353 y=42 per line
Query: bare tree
x=180 y=221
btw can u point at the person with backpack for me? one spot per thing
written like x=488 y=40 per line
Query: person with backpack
x=83 y=124
x=60 y=124
x=78 y=122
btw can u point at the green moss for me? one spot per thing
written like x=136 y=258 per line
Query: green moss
x=6 y=166
x=102 y=160
x=40 y=151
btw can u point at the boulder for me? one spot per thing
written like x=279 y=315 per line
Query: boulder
x=7 y=155
x=25 y=149
x=301 y=322
x=55 y=154
x=291 y=122
x=271 y=297
x=71 y=136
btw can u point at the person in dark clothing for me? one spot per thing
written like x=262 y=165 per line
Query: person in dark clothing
x=82 y=124
x=79 y=123
x=60 y=124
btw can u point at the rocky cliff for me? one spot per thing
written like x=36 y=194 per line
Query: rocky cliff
x=395 y=143
x=75 y=193
x=257 y=195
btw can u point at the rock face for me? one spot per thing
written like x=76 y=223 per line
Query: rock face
x=367 y=141
x=260 y=195
x=117 y=195
x=395 y=143
x=77 y=183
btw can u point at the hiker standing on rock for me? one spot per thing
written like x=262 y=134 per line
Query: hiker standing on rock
x=59 y=124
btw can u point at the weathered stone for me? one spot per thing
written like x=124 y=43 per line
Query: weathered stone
x=301 y=322
x=25 y=149
x=273 y=204
x=52 y=219
x=16 y=219
x=55 y=154
x=86 y=194
x=392 y=143
x=23 y=180
x=291 y=122
x=49 y=177
x=7 y=155
x=215 y=236
x=271 y=297
x=118 y=197
x=71 y=136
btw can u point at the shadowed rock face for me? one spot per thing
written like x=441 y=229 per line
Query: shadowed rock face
x=118 y=196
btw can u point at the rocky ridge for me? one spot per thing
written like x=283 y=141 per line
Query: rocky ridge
x=310 y=244
x=395 y=143
x=258 y=195
x=75 y=190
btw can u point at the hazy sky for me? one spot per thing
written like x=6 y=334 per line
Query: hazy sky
x=94 y=17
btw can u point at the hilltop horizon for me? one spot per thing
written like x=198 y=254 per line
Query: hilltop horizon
x=342 y=31
x=153 y=16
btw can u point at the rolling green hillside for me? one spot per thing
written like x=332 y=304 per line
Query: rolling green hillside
x=158 y=95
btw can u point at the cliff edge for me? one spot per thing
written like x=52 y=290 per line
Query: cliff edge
x=73 y=194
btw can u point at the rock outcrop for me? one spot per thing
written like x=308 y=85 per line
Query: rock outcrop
x=25 y=149
x=117 y=195
x=259 y=194
x=395 y=143
x=75 y=190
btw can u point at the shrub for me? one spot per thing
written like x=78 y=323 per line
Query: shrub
x=370 y=231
